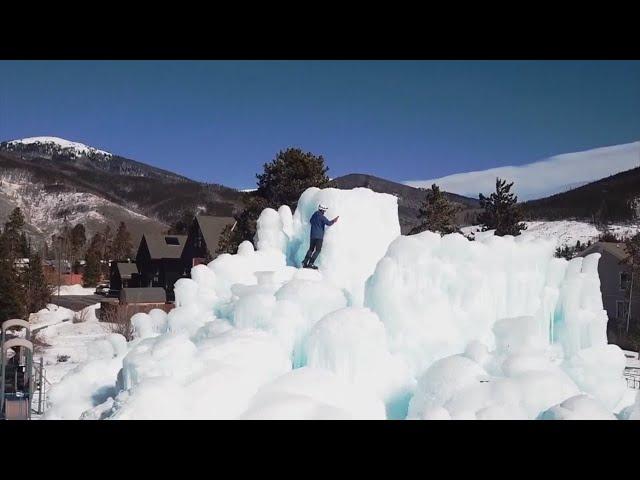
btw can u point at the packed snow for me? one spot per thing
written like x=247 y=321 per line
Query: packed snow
x=390 y=326
x=546 y=177
x=78 y=148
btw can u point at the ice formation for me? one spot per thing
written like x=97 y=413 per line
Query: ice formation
x=390 y=326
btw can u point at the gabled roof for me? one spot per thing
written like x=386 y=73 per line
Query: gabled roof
x=616 y=249
x=211 y=228
x=126 y=270
x=164 y=246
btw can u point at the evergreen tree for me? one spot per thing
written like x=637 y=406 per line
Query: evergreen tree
x=632 y=248
x=37 y=292
x=107 y=243
x=501 y=211
x=288 y=175
x=282 y=182
x=436 y=213
x=24 y=247
x=245 y=226
x=182 y=225
x=14 y=239
x=77 y=241
x=11 y=294
x=122 y=246
x=92 y=271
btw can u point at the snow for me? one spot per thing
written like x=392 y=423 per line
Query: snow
x=75 y=289
x=54 y=326
x=565 y=232
x=78 y=148
x=390 y=326
x=546 y=177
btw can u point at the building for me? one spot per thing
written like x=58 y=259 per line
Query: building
x=618 y=289
x=159 y=261
x=123 y=275
x=132 y=301
x=202 y=240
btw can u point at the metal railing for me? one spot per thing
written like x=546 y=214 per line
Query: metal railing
x=42 y=386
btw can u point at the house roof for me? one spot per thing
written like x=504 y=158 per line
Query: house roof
x=211 y=228
x=616 y=249
x=164 y=246
x=143 y=295
x=126 y=270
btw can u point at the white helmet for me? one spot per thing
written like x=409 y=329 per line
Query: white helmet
x=322 y=207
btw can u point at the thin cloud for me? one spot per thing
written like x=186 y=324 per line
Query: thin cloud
x=547 y=177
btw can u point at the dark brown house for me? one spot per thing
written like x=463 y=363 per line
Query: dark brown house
x=619 y=290
x=202 y=240
x=123 y=275
x=159 y=261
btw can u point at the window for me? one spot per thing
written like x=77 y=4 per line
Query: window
x=625 y=280
x=172 y=241
x=622 y=309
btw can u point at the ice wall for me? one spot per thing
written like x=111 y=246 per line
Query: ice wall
x=368 y=224
x=390 y=326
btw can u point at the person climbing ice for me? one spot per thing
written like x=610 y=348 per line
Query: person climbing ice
x=318 y=222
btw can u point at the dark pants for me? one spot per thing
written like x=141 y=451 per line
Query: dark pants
x=314 y=250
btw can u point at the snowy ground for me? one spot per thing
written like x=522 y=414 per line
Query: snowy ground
x=74 y=290
x=54 y=326
x=566 y=232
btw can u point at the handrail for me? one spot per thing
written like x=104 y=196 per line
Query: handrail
x=15 y=322
x=17 y=342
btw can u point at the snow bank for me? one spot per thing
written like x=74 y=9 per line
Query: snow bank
x=76 y=289
x=422 y=327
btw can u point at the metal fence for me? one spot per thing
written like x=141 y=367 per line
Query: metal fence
x=632 y=376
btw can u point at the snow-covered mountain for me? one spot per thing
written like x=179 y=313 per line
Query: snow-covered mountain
x=546 y=177
x=60 y=144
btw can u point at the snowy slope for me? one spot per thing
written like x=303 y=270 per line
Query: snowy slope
x=46 y=210
x=546 y=177
x=566 y=232
x=56 y=142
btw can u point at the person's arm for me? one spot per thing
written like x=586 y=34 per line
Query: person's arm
x=334 y=220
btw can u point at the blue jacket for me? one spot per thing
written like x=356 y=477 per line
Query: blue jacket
x=318 y=222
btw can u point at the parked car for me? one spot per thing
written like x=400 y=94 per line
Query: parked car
x=103 y=289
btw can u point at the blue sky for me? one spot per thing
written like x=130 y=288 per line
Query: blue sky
x=219 y=121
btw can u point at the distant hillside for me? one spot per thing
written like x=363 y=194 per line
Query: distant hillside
x=409 y=198
x=616 y=198
x=55 y=180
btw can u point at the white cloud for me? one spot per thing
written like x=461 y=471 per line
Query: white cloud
x=539 y=179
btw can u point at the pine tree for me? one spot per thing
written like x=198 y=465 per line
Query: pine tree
x=37 y=292
x=632 y=248
x=11 y=294
x=14 y=238
x=92 y=271
x=107 y=239
x=436 y=213
x=288 y=175
x=77 y=241
x=182 y=225
x=245 y=226
x=122 y=246
x=501 y=211
x=282 y=182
